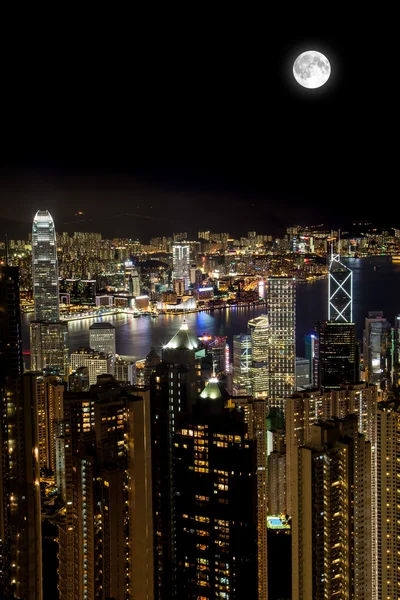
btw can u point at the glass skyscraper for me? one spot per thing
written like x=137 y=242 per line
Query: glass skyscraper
x=258 y=329
x=45 y=267
x=340 y=292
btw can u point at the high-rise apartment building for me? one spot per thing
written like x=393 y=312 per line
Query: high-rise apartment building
x=45 y=267
x=47 y=393
x=216 y=541
x=20 y=519
x=281 y=306
x=338 y=355
x=49 y=347
x=331 y=525
x=124 y=371
x=255 y=416
x=396 y=351
x=181 y=262
x=96 y=362
x=106 y=543
x=305 y=408
x=388 y=530
x=258 y=329
x=242 y=362
x=377 y=349
x=340 y=291
x=102 y=337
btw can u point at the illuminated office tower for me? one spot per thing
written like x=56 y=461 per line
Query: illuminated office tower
x=377 y=349
x=97 y=363
x=338 y=360
x=102 y=337
x=45 y=268
x=242 y=362
x=20 y=519
x=47 y=394
x=340 y=291
x=181 y=262
x=258 y=329
x=331 y=524
x=388 y=534
x=216 y=537
x=281 y=305
x=49 y=347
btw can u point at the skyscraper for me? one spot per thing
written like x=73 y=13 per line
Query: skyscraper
x=259 y=334
x=47 y=394
x=20 y=520
x=102 y=337
x=106 y=543
x=181 y=262
x=340 y=291
x=396 y=351
x=49 y=346
x=216 y=541
x=337 y=354
x=388 y=534
x=311 y=348
x=45 y=268
x=242 y=362
x=175 y=384
x=331 y=525
x=377 y=349
x=281 y=305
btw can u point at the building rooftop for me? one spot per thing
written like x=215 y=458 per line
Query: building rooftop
x=184 y=338
x=101 y=325
x=214 y=390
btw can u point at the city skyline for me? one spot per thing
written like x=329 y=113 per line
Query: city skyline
x=199 y=307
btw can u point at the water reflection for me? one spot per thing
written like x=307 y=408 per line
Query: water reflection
x=374 y=289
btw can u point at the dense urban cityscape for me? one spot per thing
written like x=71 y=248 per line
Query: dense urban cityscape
x=213 y=466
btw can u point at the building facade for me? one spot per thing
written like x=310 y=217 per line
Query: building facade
x=96 y=362
x=340 y=291
x=49 y=347
x=216 y=536
x=20 y=515
x=45 y=268
x=377 y=350
x=281 y=304
x=331 y=525
x=102 y=337
x=338 y=354
x=258 y=329
x=181 y=262
x=242 y=362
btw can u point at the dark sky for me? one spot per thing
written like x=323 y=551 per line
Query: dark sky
x=192 y=119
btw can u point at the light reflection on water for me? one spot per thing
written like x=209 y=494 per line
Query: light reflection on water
x=373 y=290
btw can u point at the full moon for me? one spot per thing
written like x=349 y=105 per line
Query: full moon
x=311 y=69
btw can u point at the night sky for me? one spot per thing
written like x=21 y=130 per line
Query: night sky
x=190 y=120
